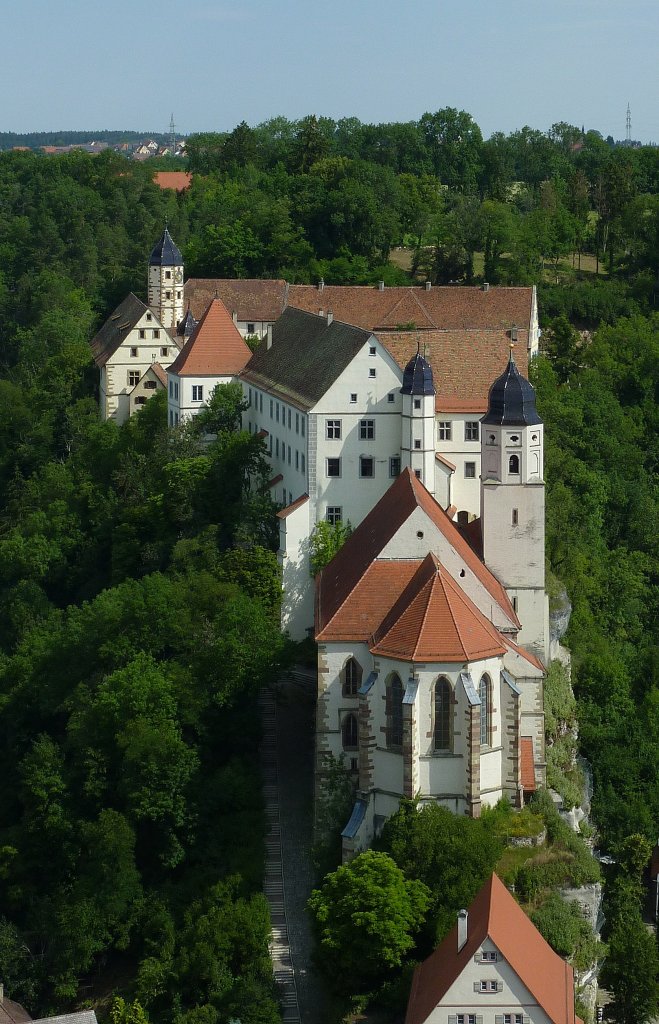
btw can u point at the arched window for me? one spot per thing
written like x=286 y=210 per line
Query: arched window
x=443 y=715
x=394 y=712
x=349 y=732
x=513 y=464
x=352 y=677
x=484 y=694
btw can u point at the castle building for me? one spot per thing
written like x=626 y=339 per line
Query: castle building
x=138 y=342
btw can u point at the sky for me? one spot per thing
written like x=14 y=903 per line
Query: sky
x=131 y=64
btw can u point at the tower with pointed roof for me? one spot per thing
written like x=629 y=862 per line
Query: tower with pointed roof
x=513 y=501
x=166 y=281
x=418 y=421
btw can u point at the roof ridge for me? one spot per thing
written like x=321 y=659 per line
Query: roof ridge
x=429 y=585
x=452 y=614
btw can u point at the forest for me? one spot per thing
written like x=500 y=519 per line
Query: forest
x=131 y=559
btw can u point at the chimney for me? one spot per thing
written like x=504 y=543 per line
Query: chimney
x=234 y=317
x=486 y=286
x=463 y=916
x=380 y=286
x=428 y=285
x=268 y=342
x=321 y=284
x=330 y=316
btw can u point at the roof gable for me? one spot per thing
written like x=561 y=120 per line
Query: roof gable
x=306 y=357
x=339 y=578
x=215 y=348
x=495 y=914
x=117 y=327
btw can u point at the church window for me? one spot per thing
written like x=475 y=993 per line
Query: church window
x=332 y=430
x=471 y=430
x=349 y=732
x=470 y=470
x=133 y=378
x=391 y=398
x=133 y=353
x=514 y=517
x=142 y=333
x=442 y=712
x=513 y=464
x=352 y=677
x=371 y=372
x=367 y=430
x=417 y=403
x=417 y=443
x=394 y=465
x=366 y=466
x=197 y=392
x=484 y=694
x=444 y=430
x=394 y=708
x=334 y=514
x=334 y=467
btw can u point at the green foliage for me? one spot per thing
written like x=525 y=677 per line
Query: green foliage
x=325 y=541
x=331 y=812
x=631 y=971
x=563 y=926
x=451 y=855
x=560 y=704
x=366 y=914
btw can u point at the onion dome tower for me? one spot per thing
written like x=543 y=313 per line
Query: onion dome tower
x=418 y=420
x=513 y=501
x=166 y=281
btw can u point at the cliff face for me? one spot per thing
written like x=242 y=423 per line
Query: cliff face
x=560 y=610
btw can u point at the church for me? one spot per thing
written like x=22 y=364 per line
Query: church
x=432 y=635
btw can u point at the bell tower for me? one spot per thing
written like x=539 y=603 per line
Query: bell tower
x=418 y=421
x=513 y=502
x=166 y=281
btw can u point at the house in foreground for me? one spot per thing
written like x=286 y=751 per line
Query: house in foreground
x=494 y=967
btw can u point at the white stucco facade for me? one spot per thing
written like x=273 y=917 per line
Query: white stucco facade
x=146 y=343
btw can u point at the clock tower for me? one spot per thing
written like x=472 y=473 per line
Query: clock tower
x=166 y=282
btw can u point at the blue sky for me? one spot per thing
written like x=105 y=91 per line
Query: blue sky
x=87 y=64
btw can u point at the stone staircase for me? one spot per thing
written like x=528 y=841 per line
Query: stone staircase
x=273 y=885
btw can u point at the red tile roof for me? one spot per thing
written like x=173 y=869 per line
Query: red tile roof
x=433 y=620
x=496 y=915
x=531 y=658
x=338 y=579
x=251 y=300
x=215 y=347
x=444 y=308
x=527 y=764
x=464 y=362
x=160 y=373
x=180 y=181
x=369 y=600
